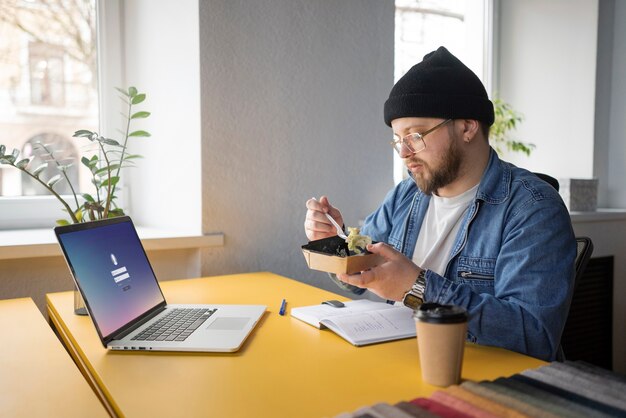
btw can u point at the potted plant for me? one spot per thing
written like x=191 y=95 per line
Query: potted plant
x=105 y=166
x=506 y=120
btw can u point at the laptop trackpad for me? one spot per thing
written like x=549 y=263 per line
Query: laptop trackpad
x=228 y=324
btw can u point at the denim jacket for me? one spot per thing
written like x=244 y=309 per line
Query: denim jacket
x=512 y=264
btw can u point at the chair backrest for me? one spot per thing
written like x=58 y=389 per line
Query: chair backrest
x=548 y=179
x=584 y=249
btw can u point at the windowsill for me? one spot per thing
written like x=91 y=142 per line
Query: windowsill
x=600 y=215
x=32 y=243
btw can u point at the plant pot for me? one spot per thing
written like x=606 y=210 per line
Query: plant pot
x=79 y=303
x=579 y=195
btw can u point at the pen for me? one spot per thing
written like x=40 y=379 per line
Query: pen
x=283 y=305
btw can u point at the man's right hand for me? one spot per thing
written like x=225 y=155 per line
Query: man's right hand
x=316 y=225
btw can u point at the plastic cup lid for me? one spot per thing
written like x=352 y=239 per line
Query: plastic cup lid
x=441 y=314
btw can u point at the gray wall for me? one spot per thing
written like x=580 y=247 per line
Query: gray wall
x=292 y=98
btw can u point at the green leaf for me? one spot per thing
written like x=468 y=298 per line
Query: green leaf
x=132 y=156
x=2 y=150
x=22 y=163
x=113 y=180
x=7 y=159
x=132 y=91
x=124 y=92
x=88 y=197
x=140 y=115
x=62 y=222
x=15 y=153
x=139 y=133
x=108 y=141
x=36 y=172
x=138 y=99
x=54 y=180
x=83 y=133
x=116 y=212
x=85 y=161
x=64 y=167
x=102 y=170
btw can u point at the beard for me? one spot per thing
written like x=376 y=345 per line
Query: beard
x=432 y=179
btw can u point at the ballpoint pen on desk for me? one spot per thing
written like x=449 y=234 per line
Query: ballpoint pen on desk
x=283 y=306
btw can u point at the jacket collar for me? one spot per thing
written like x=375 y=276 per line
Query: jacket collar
x=495 y=184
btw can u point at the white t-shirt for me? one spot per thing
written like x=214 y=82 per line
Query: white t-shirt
x=439 y=230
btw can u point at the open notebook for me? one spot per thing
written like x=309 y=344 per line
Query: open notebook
x=361 y=322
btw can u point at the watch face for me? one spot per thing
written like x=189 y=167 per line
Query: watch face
x=412 y=301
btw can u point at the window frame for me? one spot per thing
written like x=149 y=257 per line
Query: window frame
x=489 y=69
x=29 y=212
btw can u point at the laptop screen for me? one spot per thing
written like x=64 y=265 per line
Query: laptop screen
x=112 y=271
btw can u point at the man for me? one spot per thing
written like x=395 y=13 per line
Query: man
x=466 y=228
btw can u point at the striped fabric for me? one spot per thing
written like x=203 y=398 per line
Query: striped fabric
x=569 y=389
x=498 y=409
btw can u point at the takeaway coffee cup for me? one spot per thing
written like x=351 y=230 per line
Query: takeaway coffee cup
x=441 y=331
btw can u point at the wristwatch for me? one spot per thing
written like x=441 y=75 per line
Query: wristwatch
x=415 y=296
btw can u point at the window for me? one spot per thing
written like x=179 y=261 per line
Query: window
x=462 y=26
x=48 y=90
x=131 y=45
x=45 y=64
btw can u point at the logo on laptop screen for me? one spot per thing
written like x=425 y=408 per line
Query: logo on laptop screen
x=120 y=274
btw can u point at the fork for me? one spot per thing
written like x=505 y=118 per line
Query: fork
x=339 y=229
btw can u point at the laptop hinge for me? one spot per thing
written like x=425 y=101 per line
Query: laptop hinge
x=124 y=332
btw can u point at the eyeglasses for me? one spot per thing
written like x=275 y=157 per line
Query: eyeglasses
x=414 y=143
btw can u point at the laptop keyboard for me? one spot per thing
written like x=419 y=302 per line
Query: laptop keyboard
x=176 y=325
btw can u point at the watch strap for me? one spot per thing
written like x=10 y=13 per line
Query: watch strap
x=415 y=295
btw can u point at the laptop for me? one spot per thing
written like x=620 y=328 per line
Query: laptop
x=125 y=302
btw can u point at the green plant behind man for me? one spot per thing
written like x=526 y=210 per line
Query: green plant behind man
x=506 y=120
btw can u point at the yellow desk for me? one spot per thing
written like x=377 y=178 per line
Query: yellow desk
x=286 y=368
x=37 y=376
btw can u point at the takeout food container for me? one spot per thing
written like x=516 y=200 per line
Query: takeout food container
x=331 y=255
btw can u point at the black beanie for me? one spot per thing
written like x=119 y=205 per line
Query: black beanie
x=440 y=86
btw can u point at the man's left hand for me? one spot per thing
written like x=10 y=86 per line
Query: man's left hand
x=389 y=280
